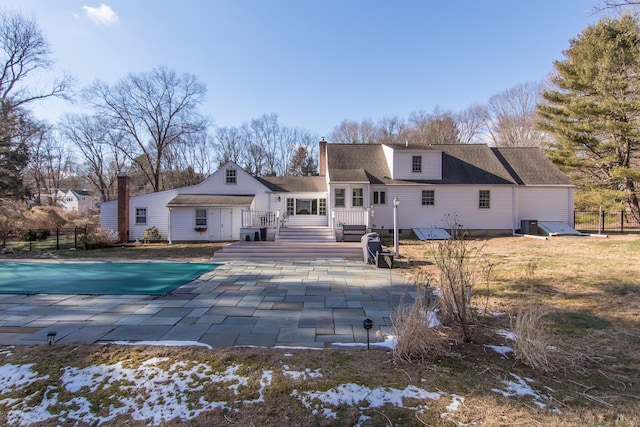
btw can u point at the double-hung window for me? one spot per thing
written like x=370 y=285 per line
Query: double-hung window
x=379 y=197
x=201 y=217
x=358 y=197
x=428 y=197
x=484 y=199
x=416 y=164
x=141 y=215
x=339 y=197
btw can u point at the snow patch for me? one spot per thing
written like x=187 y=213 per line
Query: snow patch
x=366 y=398
x=520 y=387
x=297 y=375
x=502 y=349
x=507 y=334
x=168 y=343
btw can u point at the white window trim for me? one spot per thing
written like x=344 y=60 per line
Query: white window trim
x=374 y=197
x=235 y=176
x=146 y=216
x=488 y=200
x=422 y=198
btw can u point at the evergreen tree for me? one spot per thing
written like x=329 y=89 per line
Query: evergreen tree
x=594 y=112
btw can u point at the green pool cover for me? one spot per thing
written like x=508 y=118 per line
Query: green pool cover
x=98 y=278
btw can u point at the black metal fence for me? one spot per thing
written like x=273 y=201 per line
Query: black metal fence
x=46 y=239
x=605 y=222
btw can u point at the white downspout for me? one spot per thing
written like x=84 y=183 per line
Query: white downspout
x=169 y=231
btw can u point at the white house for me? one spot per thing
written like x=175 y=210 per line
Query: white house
x=489 y=190
x=79 y=201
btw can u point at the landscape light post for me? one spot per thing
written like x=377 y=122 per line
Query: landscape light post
x=396 y=202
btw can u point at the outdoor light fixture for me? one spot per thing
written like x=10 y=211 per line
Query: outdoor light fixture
x=279 y=198
x=367 y=324
x=51 y=336
x=396 y=202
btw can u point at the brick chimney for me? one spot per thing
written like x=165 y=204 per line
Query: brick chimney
x=123 y=208
x=322 y=153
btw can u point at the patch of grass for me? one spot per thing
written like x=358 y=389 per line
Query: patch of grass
x=577 y=322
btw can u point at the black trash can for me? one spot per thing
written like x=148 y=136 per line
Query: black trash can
x=263 y=234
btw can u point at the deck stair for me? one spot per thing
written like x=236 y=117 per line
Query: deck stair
x=306 y=234
x=293 y=244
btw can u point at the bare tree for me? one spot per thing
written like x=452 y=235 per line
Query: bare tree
x=23 y=50
x=392 y=129
x=619 y=5
x=230 y=145
x=265 y=132
x=50 y=165
x=98 y=143
x=352 y=132
x=512 y=120
x=471 y=122
x=156 y=110
x=198 y=152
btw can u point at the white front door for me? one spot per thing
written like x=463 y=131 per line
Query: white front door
x=221 y=224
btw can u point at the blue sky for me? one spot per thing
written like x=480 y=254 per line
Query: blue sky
x=314 y=63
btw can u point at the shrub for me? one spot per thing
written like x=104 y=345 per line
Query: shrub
x=461 y=266
x=33 y=235
x=151 y=233
x=417 y=337
x=531 y=344
x=101 y=236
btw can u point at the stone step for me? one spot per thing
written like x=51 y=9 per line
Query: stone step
x=289 y=250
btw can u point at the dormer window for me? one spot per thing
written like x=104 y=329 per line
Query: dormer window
x=416 y=164
x=230 y=176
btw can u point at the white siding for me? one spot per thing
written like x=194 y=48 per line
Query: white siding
x=157 y=213
x=461 y=201
x=545 y=204
x=401 y=163
x=109 y=215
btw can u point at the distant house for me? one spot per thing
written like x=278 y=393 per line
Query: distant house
x=489 y=190
x=80 y=201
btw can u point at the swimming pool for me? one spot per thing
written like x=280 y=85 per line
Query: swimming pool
x=98 y=278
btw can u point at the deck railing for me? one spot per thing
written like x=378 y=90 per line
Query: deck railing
x=351 y=217
x=262 y=219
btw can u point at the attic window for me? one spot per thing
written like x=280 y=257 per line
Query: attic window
x=230 y=176
x=416 y=164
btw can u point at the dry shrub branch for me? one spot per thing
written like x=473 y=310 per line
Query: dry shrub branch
x=417 y=339
x=531 y=345
x=462 y=267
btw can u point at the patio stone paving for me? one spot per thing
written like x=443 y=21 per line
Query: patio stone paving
x=262 y=303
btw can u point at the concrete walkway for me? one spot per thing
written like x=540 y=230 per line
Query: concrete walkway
x=265 y=303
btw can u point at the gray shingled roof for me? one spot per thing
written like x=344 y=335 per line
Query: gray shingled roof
x=357 y=163
x=295 y=184
x=209 y=200
x=529 y=166
x=476 y=164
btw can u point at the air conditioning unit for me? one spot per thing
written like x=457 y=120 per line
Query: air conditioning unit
x=529 y=226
